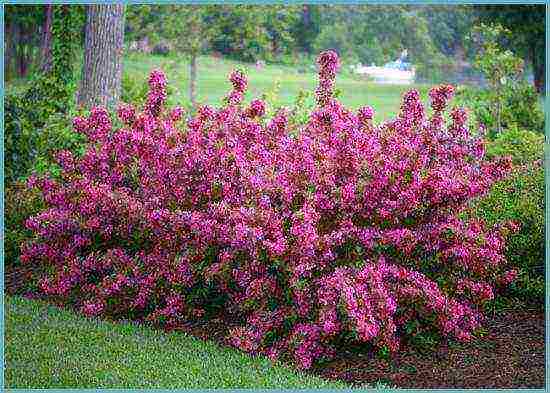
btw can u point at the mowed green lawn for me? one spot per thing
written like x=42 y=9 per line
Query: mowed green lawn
x=213 y=83
x=47 y=347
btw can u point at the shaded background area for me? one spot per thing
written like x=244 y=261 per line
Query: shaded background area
x=435 y=36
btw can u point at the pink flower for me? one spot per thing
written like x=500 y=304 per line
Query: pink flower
x=509 y=276
x=235 y=98
x=176 y=114
x=256 y=109
x=91 y=309
x=365 y=114
x=126 y=113
x=239 y=81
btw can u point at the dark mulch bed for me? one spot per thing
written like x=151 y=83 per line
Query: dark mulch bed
x=510 y=355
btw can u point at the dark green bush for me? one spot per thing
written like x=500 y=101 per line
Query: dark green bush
x=523 y=146
x=132 y=91
x=520 y=198
x=19 y=139
x=57 y=134
x=27 y=115
x=31 y=137
x=522 y=108
x=30 y=150
x=20 y=202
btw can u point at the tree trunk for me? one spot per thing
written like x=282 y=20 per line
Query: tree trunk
x=499 y=110
x=46 y=51
x=9 y=51
x=538 y=70
x=193 y=79
x=103 y=46
x=19 y=51
x=24 y=58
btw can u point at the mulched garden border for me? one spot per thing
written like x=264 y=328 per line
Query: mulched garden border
x=510 y=355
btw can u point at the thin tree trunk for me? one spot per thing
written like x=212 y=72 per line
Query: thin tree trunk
x=19 y=51
x=24 y=58
x=103 y=46
x=193 y=79
x=538 y=70
x=499 y=128
x=9 y=54
x=46 y=51
x=306 y=18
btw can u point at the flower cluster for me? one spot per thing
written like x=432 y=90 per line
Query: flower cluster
x=329 y=64
x=239 y=81
x=339 y=229
x=365 y=114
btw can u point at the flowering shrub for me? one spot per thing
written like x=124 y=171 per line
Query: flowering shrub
x=340 y=230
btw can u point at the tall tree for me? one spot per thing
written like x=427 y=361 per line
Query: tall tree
x=307 y=27
x=189 y=21
x=22 y=24
x=103 y=46
x=46 y=51
x=527 y=23
x=252 y=32
x=448 y=25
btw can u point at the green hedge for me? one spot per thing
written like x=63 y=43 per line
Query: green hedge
x=520 y=197
x=30 y=149
x=522 y=107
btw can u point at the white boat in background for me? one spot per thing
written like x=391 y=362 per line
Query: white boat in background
x=396 y=73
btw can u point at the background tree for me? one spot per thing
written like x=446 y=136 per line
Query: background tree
x=23 y=25
x=500 y=66
x=241 y=32
x=144 y=21
x=527 y=24
x=46 y=51
x=191 y=22
x=189 y=28
x=52 y=88
x=378 y=34
x=250 y=33
x=307 y=27
x=103 y=47
x=49 y=92
x=279 y=22
x=449 y=26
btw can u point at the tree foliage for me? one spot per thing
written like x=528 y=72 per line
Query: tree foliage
x=22 y=27
x=448 y=26
x=527 y=24
x=377 y=34
x=500 y=66
x=48 y=93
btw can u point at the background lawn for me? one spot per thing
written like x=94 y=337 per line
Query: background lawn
x=213 y=83
x=47 y=347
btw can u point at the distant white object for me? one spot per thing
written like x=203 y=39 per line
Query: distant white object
x=396 y=73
